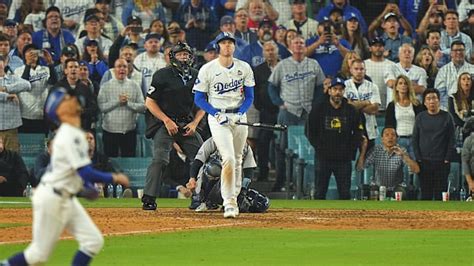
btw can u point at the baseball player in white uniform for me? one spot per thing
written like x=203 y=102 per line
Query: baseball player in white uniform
x=228 y=85
x=55 y=205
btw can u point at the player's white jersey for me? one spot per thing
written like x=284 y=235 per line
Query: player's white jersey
x=224 y=86
x=366 y=91
x=149 y=65
x=69 y=153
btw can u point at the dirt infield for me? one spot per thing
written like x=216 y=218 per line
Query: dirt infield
x=123 y=221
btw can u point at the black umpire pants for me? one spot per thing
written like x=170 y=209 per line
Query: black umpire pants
x=433 y=179
x=162 y=145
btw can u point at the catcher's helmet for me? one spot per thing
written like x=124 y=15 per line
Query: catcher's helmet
x=213 y=169
x=258 y=201
x=182 y=66
x=52 y=102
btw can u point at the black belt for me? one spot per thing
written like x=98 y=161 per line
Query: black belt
x=405 y=137
x=62 y=193
x=229 y=111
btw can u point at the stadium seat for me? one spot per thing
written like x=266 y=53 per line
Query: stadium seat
x=31 y=144
x=135 y=168
x=29 y=162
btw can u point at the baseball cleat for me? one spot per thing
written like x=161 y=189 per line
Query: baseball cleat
x=201 y=208
x=231 y=212
x=149 y=206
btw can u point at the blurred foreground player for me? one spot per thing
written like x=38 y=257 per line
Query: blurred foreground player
x=55 y=205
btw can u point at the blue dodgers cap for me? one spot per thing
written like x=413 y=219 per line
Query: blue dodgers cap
x=134 y=19
x=88 y=42
x=376 y=40
x=338 y=81
x=226 y=20
x=52 y=102
x=350 y=16
x=91 y=17
x=153 y=36
x=9 y=23
x=224 y=36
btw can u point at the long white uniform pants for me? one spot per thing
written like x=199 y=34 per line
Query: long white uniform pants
x=230 y=142
x=52 y=214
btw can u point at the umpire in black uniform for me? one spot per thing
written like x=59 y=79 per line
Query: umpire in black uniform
x=169 y=118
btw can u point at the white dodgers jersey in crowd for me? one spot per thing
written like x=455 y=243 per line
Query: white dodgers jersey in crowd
x=367 y=91
x=224 y=86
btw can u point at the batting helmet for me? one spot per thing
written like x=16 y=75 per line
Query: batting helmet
x=182 y=66
x=225 y=36
x=213 y=169
x=258 y=201
x=53 y=101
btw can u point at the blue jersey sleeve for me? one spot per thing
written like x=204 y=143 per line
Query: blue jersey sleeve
x=89 y=174
x=201 y=102
x=249 y=95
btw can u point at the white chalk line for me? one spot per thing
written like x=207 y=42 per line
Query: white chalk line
x=139 y=232
x=15 y=202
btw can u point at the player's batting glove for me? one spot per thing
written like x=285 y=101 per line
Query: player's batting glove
x=89 y=191
x=222 y=119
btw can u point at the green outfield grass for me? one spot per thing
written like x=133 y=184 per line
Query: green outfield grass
x=278 y=247
x=238 y=246
x=285 y=204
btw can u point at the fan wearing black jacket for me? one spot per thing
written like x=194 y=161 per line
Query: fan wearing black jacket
x=86 y=97
x=335 y=131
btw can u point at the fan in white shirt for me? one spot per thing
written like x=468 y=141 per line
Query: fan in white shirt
x=151 y=60
x=364 y=95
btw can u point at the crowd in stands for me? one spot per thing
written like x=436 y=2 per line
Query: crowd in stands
x=411 y=67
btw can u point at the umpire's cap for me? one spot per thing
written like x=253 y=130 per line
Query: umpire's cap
x=225 y=36
x=52 y=103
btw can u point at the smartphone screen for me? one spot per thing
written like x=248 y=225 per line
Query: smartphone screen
x=137 y=29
